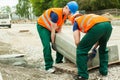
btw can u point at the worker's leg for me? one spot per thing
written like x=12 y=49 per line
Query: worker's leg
x=93 y=35
x=59 y=57
x=45 y=39
x=103 y=51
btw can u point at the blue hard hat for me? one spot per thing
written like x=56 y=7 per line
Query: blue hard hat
x=73 y=6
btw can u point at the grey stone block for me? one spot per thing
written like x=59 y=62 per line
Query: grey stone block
x=1 y=76
x=65 y=45
x=14 y=59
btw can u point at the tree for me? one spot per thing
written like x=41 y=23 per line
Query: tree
x=23 y=8
x=84 y=4
x=6 y=9
x=39 y=6
x=60 y=3
x=91 y=5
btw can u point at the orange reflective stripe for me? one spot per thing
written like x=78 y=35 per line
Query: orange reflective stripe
x=44 y=19
x=94 y=16
x=88 y=21
x=82 y=22
x=46 y=22
x=48 y=16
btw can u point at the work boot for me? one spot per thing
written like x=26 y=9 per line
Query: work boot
x=77 y=77
x=59 y=62
x=51 y=70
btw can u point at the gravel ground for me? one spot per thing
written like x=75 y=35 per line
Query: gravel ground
x=29 y=43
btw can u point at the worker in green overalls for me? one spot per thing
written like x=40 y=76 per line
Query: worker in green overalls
x=50 y=23
x=97 y=29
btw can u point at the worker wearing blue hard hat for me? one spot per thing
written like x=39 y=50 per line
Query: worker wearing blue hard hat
x=73 y=6
x=50 y=23
x=98 y=30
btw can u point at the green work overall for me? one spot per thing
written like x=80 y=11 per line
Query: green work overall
x=100 y=32
x=45 y=36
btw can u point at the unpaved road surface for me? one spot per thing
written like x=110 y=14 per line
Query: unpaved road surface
x=15 y=41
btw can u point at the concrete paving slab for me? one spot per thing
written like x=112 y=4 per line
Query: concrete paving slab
x=65 y=45
x=1 y=76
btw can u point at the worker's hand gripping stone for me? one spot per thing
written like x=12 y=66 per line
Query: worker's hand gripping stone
x=92 y=54
x=54 y=46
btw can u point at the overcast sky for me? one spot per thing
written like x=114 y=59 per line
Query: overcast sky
x=8 y=2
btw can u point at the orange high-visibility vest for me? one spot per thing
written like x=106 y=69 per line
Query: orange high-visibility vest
x=45 y=21
x=87 y=21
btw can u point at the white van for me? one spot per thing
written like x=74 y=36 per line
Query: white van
x=5 y=20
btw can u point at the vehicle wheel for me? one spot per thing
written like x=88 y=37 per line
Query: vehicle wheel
x=9 y=26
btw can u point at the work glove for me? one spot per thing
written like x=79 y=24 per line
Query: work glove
x=92 y=54
x=54 y=46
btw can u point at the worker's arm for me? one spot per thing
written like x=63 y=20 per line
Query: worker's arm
x=54 y=25
x=54 y=19
x=76 y=35
x=96 y=45
x=53 y=28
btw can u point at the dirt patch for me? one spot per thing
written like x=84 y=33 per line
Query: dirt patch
x=29 y=43
x=20 y=73
x=4 y=48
